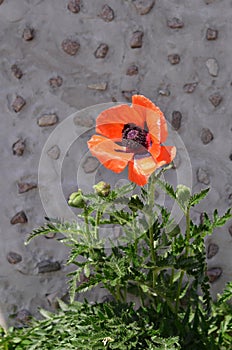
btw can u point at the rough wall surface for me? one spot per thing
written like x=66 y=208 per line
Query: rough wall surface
x=58 y=57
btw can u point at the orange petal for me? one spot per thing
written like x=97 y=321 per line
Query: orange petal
x=155 y=150
x=141 y=169
x=151 y=119
x=167 y=154
x=153 y=124
x=111 y=121
x=111 y=155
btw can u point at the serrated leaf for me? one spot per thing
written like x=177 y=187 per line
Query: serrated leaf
x=46 y=314
x=43 y=230
x=196 y=198
x=166 y=187
x=62 y=305
x=87 y=270
x=220 y=221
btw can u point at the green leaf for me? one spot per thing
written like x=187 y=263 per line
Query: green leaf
x=45 y=313
x=166 y=187
x=227 y=294
x=87 y=271
x=196 y=198
x=220 y=221
x=62 y=305
x=43 y=230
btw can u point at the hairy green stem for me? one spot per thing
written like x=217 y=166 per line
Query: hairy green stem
x=187 y=219
x=86 y=218
x=187 y=232
x=151 y=202
x=97 y=222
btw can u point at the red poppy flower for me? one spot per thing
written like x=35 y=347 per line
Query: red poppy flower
x=133 y=136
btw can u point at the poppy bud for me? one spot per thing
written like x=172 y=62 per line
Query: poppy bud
x=102 y=189
x=76 y=199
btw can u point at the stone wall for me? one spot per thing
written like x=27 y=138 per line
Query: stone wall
x=58 y=57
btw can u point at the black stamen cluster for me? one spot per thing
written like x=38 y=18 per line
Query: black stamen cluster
x=134 y=138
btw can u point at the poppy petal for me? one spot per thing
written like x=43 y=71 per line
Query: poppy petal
x=110 y=122
x=156 y=122
x=154 y=150
x=154 y=126
x=140 y=169
x=111 y=155
x=167 y=154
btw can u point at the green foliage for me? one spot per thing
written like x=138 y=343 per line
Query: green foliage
x=153 y=261
x=84 y=326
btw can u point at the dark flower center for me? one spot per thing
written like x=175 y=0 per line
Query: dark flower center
x=135 y=139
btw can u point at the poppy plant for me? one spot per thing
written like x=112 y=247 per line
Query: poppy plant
x=132 y=135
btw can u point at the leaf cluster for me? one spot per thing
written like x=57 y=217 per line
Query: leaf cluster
x=160 y=265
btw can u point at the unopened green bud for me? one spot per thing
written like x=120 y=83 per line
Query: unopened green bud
x=102 y=189
x=76 y=199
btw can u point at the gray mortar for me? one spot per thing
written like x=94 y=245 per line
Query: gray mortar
x=85 y=80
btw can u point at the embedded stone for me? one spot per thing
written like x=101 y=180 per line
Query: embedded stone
x=1 y=1
x=54 y=152
x=18 y=104
x=175 y=23
x=164 y=91
x=136 y=39
x=52 y=299
x=132 y=70
x=212 y=66
x=50 y=235
x=47 y=120
x=23 y=316
x=143 y=6
x=229 y=199
x=28 y=33
x=215 y=99
x=211 y=34
x=70 y=47
x=202 y=218
x=212 y=250
x=190 y=87
x=176 y=120
x=48 y=266
x=18 y=147
x=117 y=232
x=230 y=230
x=19 y=218
x=206 y=136
x=90 y=165
x=174 y=58
x=128 y=94
x=101 y=51
x=87 y=121
x=98 y=86
x=107 y=299
x=55 y=82
x=214 y=273
x=230 y=156
x=107 y=13
x=13 y=258
x=16 y=71
x=74 y=6
x=202 y=176
x=26 y=186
